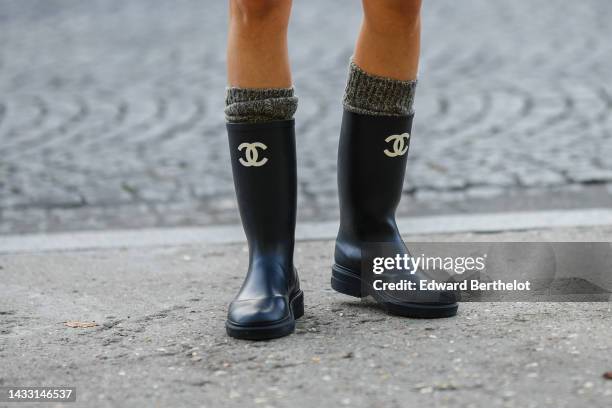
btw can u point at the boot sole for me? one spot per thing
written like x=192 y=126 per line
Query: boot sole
x=349 y=283
x=272 y=331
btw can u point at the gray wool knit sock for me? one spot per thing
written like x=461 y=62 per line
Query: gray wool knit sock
x=369 y=94
x=249 y=105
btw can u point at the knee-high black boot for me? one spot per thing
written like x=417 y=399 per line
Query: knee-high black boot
x=372 y=159
x=264 y=169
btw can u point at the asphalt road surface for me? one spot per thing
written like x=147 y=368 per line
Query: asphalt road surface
x=159 y=337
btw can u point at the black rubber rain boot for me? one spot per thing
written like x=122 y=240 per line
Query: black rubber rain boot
x=372 y=159
x=264 y=169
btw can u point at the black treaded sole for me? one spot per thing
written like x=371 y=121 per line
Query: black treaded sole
x=349 y=283
x=272 y=331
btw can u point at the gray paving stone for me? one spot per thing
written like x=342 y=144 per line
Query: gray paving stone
x=111 y=111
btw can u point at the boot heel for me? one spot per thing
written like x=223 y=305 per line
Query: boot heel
x=345 y=282
x=297 y=305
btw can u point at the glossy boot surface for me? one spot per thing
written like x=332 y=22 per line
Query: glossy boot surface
x=264 y=170
x=372 y=159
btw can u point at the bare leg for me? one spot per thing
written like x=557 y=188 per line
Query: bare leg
x=257 y=55
x=389 y=41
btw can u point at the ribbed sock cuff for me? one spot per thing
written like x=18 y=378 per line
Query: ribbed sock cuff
x=250 y=105
x=375 y=95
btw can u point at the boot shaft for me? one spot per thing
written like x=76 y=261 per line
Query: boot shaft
x=372 y=158
x=264 y=168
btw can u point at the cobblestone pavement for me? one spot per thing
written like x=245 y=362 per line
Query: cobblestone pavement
x=111 y=111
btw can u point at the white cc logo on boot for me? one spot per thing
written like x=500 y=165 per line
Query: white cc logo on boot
x=251 y=154
x=400 y=144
